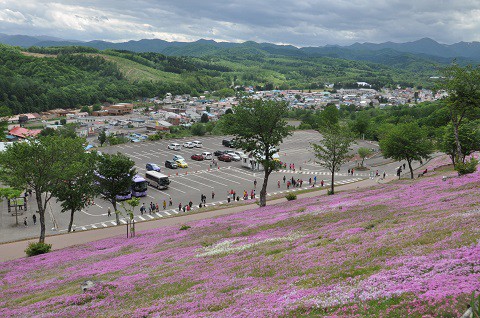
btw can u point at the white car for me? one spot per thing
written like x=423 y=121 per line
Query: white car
x=188 y=144
x=240 y=153
x=207 y=155
x=197 y=144
x=174 y=146
x=233 y=155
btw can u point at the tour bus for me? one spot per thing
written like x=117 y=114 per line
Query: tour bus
x=124 y=195
x=157 y=179
x=139 y=186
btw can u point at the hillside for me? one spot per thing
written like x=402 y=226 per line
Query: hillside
x=403 y=249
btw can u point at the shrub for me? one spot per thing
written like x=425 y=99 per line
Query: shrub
x=329 y=192
x=291 y=196
x=37 y=248
x=184 y=227
x=467 y=167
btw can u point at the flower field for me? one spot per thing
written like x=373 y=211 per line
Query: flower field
x=404 y=249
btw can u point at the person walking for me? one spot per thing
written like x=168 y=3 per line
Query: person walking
x=157 y=208
x=164 y=204
x=384 y=174
x=314 y=180
x=228 y=197
x=142 y=208
x=170 y=203
x=190 y=203
x=213 y=195
x=321 y=183
x=284 y=178
x=109 y=213
x=25 y=222
x=180 y=207
x=310 y=180
x=278 y=184
x=255 y=183
x=34 y=217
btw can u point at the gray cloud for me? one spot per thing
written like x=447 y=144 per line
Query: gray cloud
x=300 y=23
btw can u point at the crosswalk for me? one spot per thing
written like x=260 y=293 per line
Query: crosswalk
x=324 y=173
x=172 y=212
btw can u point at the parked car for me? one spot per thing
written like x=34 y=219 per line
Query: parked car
x=197 y=144
x=225 y=158
x=219 y=152
x=182 y=163
x=171 y=164
x=152 y=166
x=227 y=142
x=239 y=153
x=207 y=155
x=188 y=144
x=174 y=146
x=177 y=157
x=197 y=157
x=233 y=155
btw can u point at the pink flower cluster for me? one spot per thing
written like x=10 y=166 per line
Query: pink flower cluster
x=413 y=245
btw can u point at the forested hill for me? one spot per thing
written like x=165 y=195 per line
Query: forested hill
x=42 y=78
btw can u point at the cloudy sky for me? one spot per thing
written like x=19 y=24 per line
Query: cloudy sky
x=296 y=22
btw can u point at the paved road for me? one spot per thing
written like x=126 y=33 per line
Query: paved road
x=188 y=184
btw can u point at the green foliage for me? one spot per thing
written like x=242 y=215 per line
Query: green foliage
x=184 y=227
x=37 y=248
x=467 y=167
x=157 y=136
x=291 y=196
x=364 y=152
x=475 y=305
x=102 y=137
x=406 y=142
x=204 y=119
x=469 y=137
x=259 y=126
x=334 y=149
x=198 y=129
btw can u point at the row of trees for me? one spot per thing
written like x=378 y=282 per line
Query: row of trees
x=57 y=166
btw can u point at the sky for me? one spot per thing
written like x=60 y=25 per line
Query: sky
x=296 y=22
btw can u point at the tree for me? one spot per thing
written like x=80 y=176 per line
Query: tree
x=361 y=124
x=364 y=152
x=228 y=111
x=102 y=137
x=259 y=127
x=78 y=186
x=39 y=165
x=406 y=142
x=328 y=117
x=9 y=194
x=469 y=137
x=204 y=119
x=333 y=150
x=113 y=177
x=63 y=121
x=198 y=129
x=96 y=107
x=463 y=87
x=85 y=109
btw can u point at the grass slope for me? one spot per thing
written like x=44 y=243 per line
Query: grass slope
x=134 y=71
x=405 y=249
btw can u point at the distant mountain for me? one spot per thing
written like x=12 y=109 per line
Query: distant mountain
x=387 y=52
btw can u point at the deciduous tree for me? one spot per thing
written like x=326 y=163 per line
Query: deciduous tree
x=406 y=142
x=259 y=126
x=333 y=150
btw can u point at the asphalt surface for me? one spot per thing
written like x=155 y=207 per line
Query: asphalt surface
x=201 y=177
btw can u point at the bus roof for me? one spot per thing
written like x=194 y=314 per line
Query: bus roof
x=156 y=174
x=138 y=178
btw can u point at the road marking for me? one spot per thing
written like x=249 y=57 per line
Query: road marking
x=190 y=180
x=99 y=206
x=176 y=189
x=123 y=221
x=93 y=225
x=175 y=211
x=104 y=225
x=186 y=186
x=231 y=175
x=162 y=191
x=223 y=184
x=84 y=228
x=159 y=215
x=167 y=213
x=150 y=196
x=151 y=217
x=141 y=218
x=113 y=223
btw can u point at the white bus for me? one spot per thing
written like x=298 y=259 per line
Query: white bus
x=157 y=180
x=251 y=163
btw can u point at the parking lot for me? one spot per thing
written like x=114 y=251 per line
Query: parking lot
x=204 y=177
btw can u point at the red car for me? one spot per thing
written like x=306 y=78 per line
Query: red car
x=225 y=158
x=197 y=157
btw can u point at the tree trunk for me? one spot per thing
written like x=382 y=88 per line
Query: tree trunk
x=117 y=217
x=410 y=167
x=332 y=186
x=263 y=192
x=457 y=141
x=70 y=224
x=41 y=214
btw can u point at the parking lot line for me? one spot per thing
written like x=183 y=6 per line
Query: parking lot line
x=141 y=218
x=191 y=180
x=223 y=184
x=185 y=185
x=162 y=191
x=166 y=213
x=104 y=225
x=159 y=215
x=231 y=175
x=174 y=189
x=123 y=221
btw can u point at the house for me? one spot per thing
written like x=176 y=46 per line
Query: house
x=22 y=133
x=120 y=109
